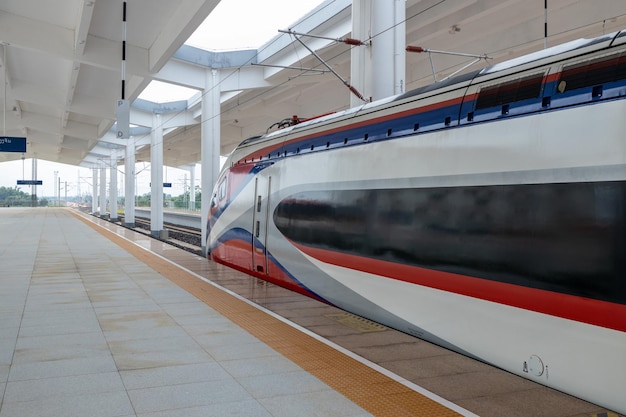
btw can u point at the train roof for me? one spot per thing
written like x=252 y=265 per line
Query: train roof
x=459 y=79
x=512 y=63
x=440 y=84
x=548 y=52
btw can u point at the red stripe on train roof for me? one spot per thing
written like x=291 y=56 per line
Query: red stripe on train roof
x=581 y=309
x=451 y=102
x=409 y=112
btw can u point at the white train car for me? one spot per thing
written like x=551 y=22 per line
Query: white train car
x=486 y=213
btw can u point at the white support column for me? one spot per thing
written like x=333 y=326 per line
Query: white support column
x=156 y=178
x=399 y=50
x=210 y=146
x=378 y=70
x=129 y=184
x=113 y=190
x=94 y=191
x=103 y=190
x=33 y=190
x=388 y=54
x=360 y=56
x=192 y=187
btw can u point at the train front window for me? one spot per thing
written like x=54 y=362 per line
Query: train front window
x=221 y=192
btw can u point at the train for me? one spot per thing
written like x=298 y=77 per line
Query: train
x=485 y=213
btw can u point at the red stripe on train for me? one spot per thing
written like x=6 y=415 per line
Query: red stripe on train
x=581 y=309
x=413 y=111
x=237 y=254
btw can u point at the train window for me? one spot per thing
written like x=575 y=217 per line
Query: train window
x=595 y=72
x=509 y=92
x=222 y=190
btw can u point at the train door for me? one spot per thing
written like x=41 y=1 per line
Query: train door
x=260 y=220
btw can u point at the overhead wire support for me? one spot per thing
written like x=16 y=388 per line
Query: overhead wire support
x=348 y=41
x=419 y=49
x=293 y=68
x=346 y=83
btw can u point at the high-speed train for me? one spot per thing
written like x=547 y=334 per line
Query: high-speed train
x=485 y=213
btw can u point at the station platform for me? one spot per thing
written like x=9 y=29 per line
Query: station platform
x=97 y=320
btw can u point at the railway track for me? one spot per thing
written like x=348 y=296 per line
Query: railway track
x=186 y=238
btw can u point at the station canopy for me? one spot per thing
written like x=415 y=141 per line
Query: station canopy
x=62 y=65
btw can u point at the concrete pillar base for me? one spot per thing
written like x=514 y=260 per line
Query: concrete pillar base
x=160 y=234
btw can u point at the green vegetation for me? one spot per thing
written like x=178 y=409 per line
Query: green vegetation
x=143 y=200
x=182 y=201
x=10 y=197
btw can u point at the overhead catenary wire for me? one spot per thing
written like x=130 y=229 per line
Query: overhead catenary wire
x=346 y=83
x=271 y=89
x=234 y=71
x=419 y=49
x=347 y=41
x=293 y=68
x=269 y=45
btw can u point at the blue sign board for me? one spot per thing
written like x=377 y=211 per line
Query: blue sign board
x=167 y=184
x=29 y=182
x=12 y=144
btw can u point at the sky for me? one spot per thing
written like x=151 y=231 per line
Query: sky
x=256 y=23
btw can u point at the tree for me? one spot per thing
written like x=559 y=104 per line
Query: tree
x=16 y=197
x=144 y=200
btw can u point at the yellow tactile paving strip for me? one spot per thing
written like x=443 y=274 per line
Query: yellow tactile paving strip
x=377 y=393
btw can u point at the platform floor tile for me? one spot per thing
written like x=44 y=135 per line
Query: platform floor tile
x=87 y=329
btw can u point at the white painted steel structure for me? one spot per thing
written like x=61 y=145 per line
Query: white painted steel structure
x=63 y=61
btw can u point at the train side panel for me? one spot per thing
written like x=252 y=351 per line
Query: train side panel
x=539 y=333
x=499 y=232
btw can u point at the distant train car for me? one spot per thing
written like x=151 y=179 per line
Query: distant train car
x=485 y=213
